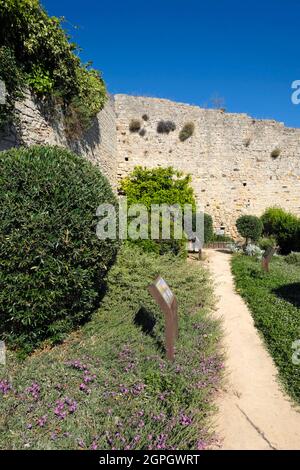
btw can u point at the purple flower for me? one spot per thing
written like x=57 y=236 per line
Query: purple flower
x=84 y=388
x=64 y=406
x=34 y=390
x=201 y=445
x=130 y=366
x=81 y=443
x=137 y=388
x=5 y=386
x=76 y=364
x=123 y=389
x=185 y=420
x=29 y=426
x=42 y=421
x=88 y=378
x=160 y=443
x=159 y=417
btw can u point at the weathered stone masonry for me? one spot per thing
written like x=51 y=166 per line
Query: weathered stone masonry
x=228 y=156
x=38 y=126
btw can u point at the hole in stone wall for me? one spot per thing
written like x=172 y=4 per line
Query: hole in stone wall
x=221 y=230
x=244 y=183
x=126 y=159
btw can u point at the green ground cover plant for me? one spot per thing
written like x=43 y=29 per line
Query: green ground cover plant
x=109 y=385
x=274 y=300
x=293 y=258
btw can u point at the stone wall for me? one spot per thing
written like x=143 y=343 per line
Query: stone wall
x=38 y=125
x=228 y=156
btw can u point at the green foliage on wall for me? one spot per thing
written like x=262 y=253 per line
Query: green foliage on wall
x=49 y=60
x=187 y=131
x=14 y=80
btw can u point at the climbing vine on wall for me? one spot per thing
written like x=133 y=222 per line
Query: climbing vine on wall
x=43 y=58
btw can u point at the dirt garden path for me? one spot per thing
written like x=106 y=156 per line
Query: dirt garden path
x=253 y=411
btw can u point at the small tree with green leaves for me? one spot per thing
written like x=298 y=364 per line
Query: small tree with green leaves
x=250 y=227
x=159 y=186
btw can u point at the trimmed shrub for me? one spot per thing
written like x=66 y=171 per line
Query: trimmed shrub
x=187 y=131
x=165 y=127
x=221 y=238
x=267 y=242
x=249 y=227
x=135 y=125
x=285 y=227
x=142 y=132
x=145 y=117
x=293 y=258
x=52 y=263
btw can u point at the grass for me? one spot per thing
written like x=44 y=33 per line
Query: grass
x=274 y=300
x=109 y=386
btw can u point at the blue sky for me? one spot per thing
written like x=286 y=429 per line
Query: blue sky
x=245 y=51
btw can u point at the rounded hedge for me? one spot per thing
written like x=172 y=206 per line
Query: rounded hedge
x=52 y=264
x=284 y=226
x=249 y=227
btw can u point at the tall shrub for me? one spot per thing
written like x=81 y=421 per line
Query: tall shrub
x=52 y=264
x=159 y=186
x=284 y=226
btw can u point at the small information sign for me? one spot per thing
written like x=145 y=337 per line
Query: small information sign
x=166 y=300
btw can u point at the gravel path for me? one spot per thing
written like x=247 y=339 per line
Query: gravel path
x=254 y=413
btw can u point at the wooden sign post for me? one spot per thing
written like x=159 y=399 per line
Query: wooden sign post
x=267 y=258
x=166 y=300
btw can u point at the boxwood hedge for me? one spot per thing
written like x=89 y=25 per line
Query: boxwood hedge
x=52 y=264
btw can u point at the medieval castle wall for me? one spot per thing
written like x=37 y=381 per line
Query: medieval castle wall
x=229 y=155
